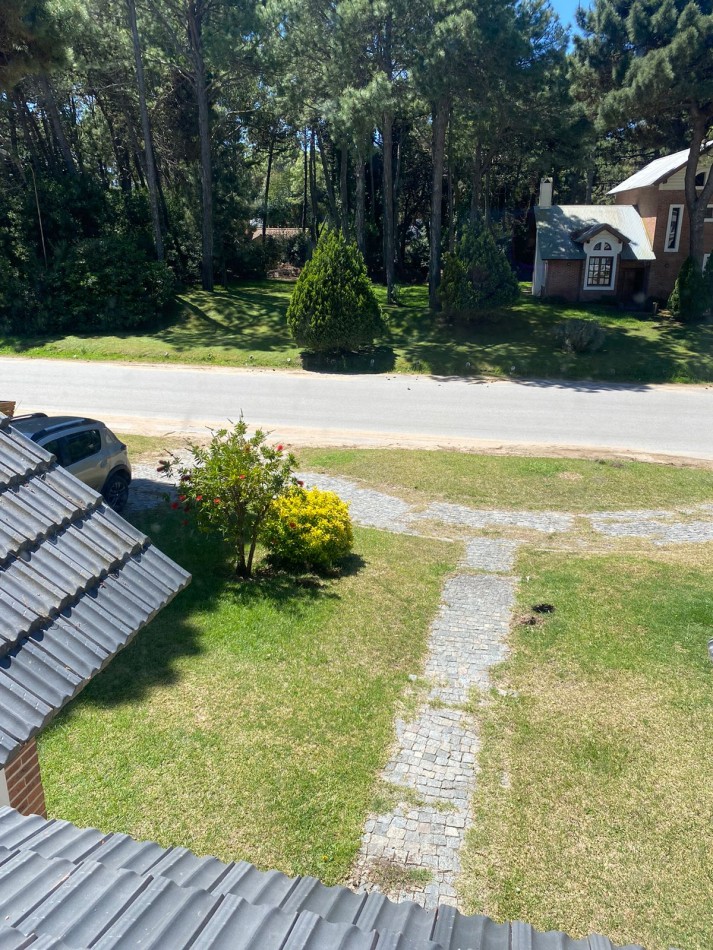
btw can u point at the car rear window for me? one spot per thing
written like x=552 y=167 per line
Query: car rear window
x=80 y=445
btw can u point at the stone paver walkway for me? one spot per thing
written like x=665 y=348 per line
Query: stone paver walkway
x=434 y=758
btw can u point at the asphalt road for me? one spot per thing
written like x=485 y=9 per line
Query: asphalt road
x=407 y=410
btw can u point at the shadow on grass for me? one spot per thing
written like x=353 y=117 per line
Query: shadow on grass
x=185 y=627
x=520 y=343
x=377 y=359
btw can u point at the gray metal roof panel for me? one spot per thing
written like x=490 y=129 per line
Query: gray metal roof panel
x=657 y=171
x=557 y=224
x=12 y=939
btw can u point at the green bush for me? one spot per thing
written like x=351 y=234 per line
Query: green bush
x=691 y=296
x=333 y=306
x=308 y=529
x=476 y=276
x=230 y=487
x=580 y=336
x=107 y=283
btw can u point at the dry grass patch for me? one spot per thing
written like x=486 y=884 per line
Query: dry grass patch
x=604 y=821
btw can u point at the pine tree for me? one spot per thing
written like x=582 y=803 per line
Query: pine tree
x=652 y=61
x=477 y=276
x=333 y=305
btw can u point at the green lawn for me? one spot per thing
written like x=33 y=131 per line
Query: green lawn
x=537 y=484
x=250 y=720
x=244 y=325
x=595 y=794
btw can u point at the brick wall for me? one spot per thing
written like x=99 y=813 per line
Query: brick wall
x=653 y=205
x=564 y=279
x=24 y=782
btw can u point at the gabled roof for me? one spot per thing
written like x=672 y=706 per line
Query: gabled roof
x=592 y=230
x=558 y=226
x=77 y=583
x=657 y=171
x=66 y=887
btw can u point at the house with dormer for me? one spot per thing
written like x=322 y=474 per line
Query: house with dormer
x=630 y=251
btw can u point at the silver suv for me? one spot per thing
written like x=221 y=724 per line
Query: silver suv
x=84 y=447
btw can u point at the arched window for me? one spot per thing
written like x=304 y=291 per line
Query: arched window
x=602 y=246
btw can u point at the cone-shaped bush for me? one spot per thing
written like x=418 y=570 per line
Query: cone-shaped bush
x=691 y=295
x=333 y=305
x=477 y=276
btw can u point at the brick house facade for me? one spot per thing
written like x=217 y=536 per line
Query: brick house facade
x=651 y=219
x=21 y=782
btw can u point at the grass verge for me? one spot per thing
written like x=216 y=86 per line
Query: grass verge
x=594 y=800
x=536 y=484
x=244 y=325
x=250 y=719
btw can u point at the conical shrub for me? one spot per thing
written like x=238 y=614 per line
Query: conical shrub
x=333 y=306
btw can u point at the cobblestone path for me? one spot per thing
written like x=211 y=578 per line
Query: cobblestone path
x=432 y=768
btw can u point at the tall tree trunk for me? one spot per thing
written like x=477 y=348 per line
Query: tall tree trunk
x=387 y=136
x=328 y=183
x=266 y=198
x=149 y=161
x=440 y=124
x=589 y=183
x=195 y=38
x=304 y=186
x=372 y=184
x=55 y=118
x=451 y=196
x=313 y=187
x=33 y=140
x=476 y=182
x=360 y=209
x=486 y=214
x=696 y=203
x=344 y=190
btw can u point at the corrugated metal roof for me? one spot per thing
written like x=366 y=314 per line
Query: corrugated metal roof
x=85 y=888
x=557 y=225
x=657 y=171
x=77 y=583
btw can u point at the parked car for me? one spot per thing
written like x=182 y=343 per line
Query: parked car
x=84 y=447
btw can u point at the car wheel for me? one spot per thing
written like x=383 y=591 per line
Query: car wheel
x=116 y=491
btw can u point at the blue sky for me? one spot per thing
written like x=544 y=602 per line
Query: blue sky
x=566 y=9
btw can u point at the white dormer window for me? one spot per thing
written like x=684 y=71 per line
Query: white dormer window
x=600 y=265
x=673 y=228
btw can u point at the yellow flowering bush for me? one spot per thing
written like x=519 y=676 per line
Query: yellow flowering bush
x=308 y=529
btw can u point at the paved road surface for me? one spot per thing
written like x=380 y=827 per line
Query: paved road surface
x=658 y=420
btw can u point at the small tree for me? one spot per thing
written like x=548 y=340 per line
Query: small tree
x=333 y=305
x=231 y=486
x=477 y=276
x=691 y=295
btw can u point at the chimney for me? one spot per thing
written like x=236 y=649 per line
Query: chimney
x=545 y=193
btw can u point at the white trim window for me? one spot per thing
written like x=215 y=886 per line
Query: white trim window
x=600 y=264
x=673 y=228
x=701 y=178
x=709 y=214
x=705 y=261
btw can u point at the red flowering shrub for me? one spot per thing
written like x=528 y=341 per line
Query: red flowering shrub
x=231 y=486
